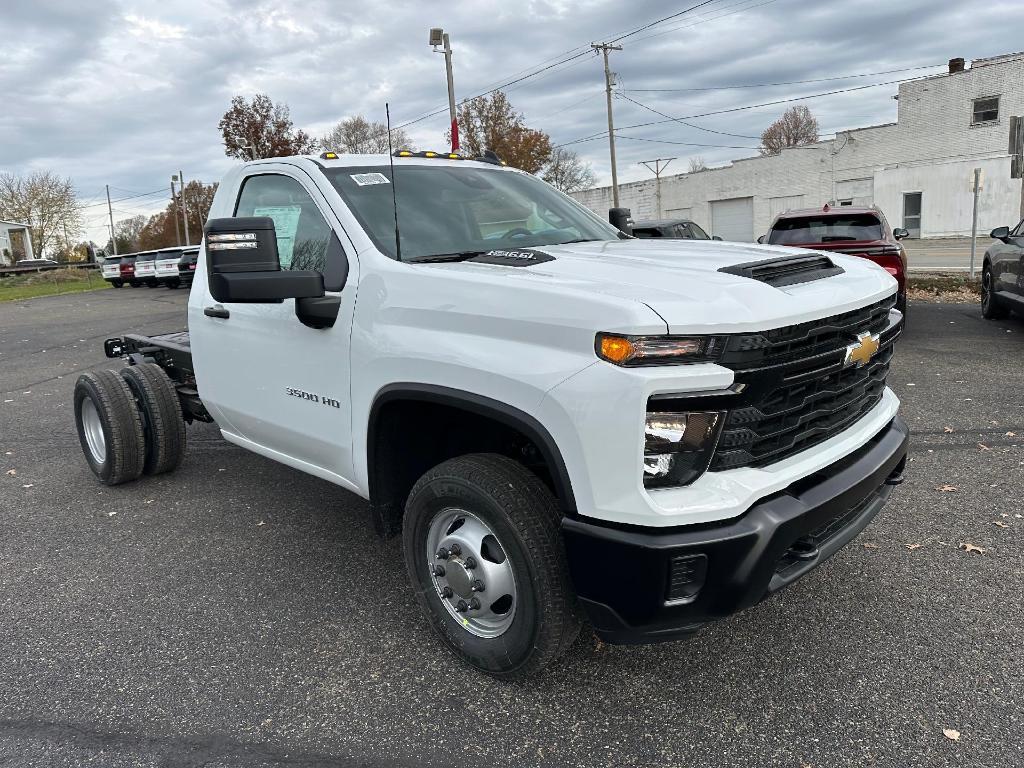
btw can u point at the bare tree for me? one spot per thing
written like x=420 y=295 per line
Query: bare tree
x=697 y=164
x=253 y=130
x=567 y=172
x=796 y=128
x=490 y=122
x=359 y=136
x=127 y=232
x=44 y=201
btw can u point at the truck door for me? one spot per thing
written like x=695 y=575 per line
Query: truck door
x=273 y=383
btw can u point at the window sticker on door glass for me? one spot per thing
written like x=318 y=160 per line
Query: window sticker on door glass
x=286 y=221
x=362 y=179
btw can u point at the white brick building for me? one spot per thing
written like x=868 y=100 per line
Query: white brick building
x=918 y=170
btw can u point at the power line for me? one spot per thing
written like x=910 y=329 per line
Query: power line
x=788 y=82
x=683 y=122
x=738 y=109
x=130 y=197
x=561 y=61
x=704 y=20
x=662 y=20
x=677 y=143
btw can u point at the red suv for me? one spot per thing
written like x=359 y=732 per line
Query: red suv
x=855 y=231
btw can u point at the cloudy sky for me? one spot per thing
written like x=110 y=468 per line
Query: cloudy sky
x=126 y=93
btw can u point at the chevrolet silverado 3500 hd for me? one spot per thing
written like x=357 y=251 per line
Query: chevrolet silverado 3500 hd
x=563 y=422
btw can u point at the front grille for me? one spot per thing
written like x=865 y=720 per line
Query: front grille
x=797 y=392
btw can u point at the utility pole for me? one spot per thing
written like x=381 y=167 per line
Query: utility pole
x=439 y=37
x=184 y=210
x=110 y=213
x=177 y=227
x=656 y=170
x=604 y=48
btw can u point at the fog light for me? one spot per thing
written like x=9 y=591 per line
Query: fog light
x=678 y=446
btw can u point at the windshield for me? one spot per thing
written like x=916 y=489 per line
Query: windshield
x=803 y=230
x=449 y=210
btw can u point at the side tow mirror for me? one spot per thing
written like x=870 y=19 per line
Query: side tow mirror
x=716 y=237
x=899 y=233
x=244 y=267
x=621 y=219
x=1000 y=233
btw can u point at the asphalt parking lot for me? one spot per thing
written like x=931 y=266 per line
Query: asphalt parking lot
x=239 y=613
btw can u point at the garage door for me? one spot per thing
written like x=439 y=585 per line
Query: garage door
x=733 y=219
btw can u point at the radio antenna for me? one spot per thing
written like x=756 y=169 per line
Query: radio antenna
x=394 y=193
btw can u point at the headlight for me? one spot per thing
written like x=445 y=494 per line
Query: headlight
x=633 y=351
x=678 y=446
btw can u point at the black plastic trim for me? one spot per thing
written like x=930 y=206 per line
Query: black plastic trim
x=483 y=406
x=621 y=573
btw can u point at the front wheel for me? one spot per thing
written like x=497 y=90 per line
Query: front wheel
x=484 y=554
x=991 y=309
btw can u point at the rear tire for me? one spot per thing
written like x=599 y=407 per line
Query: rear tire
x=109 y=427
x=116 y=283
x=162 y=420
x=528 y=615
x=991 y=308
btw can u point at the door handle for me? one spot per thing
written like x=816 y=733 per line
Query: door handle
x=217 y=311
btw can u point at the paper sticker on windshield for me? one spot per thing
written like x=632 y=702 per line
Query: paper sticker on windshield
x=286 y=221
x=362 y=179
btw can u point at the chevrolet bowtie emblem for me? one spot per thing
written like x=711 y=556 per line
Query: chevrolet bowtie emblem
x=860 y=354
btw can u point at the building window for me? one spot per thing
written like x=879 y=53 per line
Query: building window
x=986 y=110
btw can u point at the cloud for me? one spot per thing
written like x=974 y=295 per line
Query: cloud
x=128 y=92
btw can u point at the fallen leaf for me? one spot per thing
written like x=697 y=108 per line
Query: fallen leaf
x=1011 y=434
x=967 y=547
x=913 y=546
x=12 y=472
x=149 y=501
x=947 y=488
x=870 y=545
x=1000 y=523
x=1019 y=517
x=951 y=734
x=947 y=430
x=984 y=447
x=260 y=523
x=111 y=514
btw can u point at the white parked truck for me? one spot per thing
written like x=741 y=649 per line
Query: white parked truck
x=564 y=423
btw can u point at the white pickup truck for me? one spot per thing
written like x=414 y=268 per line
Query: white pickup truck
x=564 y=423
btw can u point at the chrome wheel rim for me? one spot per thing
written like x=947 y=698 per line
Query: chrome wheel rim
x=92 y=427
x=986 y=288
x=471 y=572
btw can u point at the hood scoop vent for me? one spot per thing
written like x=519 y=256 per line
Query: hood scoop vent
x=788 y=270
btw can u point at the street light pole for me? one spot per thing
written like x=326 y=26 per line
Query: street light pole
x=439 y=37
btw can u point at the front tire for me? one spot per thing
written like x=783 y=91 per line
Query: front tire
x=502 y=600
x=109 y=427
x=991 y=308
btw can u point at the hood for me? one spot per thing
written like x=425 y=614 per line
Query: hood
x=682 y=281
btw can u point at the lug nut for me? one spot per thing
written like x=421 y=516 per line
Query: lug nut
x=471 y=562
x=446 y=592
x=478 y=586
x=456 y=550
x=443 y=554
x=474 y=604
x=462 y=606
x=439 y=570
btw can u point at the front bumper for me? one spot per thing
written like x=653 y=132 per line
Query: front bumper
x=641 y=585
